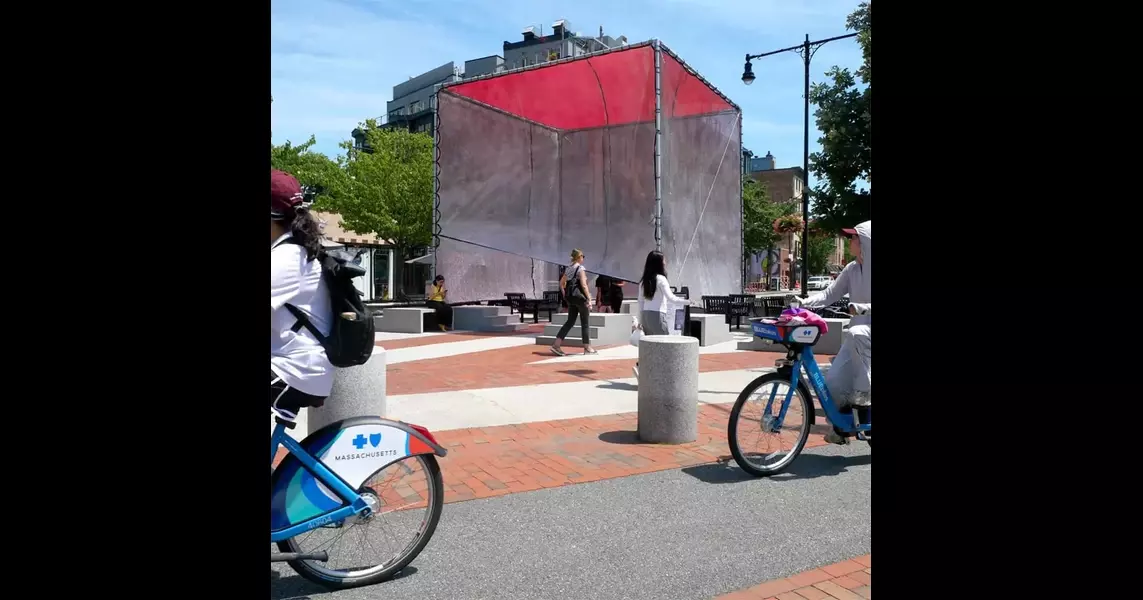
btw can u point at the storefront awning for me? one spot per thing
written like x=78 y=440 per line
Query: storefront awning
x=421 y=260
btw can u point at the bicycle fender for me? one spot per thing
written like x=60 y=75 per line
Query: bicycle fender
x=353 y=450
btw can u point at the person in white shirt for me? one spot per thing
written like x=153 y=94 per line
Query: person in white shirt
x=300 y=373
x=850 y=377
x=657 y=303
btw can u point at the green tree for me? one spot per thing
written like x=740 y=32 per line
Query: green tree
x=820 y=251
x=389 y=191
x=758 y=215
x=318 y=175
x=843 y=116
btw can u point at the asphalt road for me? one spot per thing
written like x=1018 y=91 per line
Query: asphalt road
x=692 y=533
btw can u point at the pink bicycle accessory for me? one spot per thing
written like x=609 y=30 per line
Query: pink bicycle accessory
x=802 y=316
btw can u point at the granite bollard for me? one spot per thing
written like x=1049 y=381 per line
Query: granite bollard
x=357 y=391
x=668 y=389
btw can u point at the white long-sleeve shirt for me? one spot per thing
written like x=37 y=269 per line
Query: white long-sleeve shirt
x=664 y=301
x=854 y=280
x=297 y=356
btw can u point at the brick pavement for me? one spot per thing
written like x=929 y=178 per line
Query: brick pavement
x=507 y=367
x=486 y=462
x=493 y=461
x=846 y=580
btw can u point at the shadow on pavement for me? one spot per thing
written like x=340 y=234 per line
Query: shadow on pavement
x=620 y=437
x=806 y=466
x=578 y=372
x=294 y=587
x=616 y=385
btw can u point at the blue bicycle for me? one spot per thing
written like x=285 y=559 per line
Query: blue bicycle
x=775 y=411
x=344 y=483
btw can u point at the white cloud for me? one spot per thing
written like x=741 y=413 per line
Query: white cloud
x=334 y=65
x=334 y=62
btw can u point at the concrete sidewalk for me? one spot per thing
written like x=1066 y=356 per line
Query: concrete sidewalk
x=532 y=403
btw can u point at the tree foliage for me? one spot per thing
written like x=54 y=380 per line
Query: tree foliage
x=318 y=175
x=820 y=251
x=759 y=214
x=389 y=191
x=843 y=116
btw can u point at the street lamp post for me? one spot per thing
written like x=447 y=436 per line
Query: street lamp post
x=806 y=50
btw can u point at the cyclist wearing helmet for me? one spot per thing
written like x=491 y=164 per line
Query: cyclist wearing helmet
x=850 y=375
x=300 y=373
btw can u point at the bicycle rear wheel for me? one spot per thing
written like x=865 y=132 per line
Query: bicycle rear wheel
x=756 y=448
x=407 y=497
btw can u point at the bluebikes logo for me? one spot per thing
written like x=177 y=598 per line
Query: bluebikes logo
x=363 y=444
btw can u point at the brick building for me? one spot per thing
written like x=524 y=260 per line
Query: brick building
x=783 y=185
x=371 y=253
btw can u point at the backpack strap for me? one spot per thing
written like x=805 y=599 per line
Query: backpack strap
x=303 y=320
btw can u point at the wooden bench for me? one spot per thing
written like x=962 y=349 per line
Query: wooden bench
x=405 y=319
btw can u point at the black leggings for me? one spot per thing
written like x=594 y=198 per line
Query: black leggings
x=288 y=399
x=577 y=307
x=444 y=312
x=615 y=298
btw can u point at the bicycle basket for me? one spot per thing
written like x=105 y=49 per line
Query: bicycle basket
x=770 y=329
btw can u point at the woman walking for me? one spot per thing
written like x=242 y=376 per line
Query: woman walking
x=657 y=303
x=573 y=286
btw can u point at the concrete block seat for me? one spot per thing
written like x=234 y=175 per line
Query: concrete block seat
x=405 y=319
x=829 y=343
x=491 y=319
x=604 y=329
x=710 y=329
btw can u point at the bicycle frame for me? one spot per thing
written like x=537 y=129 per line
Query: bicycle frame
x=805 y=360
x=355 y=503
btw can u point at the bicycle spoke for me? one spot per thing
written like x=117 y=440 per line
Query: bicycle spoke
x=393 y=523
x=759 y=442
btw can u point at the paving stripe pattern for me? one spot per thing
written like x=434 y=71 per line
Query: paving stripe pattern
x=846 y=580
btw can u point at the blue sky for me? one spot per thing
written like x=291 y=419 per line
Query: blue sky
x=334 y=62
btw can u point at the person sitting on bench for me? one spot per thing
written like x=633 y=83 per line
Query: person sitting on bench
x=436 y=301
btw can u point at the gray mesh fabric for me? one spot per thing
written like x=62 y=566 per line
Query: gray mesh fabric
x=516 y=196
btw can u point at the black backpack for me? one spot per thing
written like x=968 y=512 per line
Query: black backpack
x=572 y=287
x=350 y=341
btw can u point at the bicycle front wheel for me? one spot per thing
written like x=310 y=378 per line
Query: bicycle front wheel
x=759 y=446
x=407 y=497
